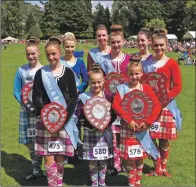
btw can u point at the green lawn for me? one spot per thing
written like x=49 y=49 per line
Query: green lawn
x=15 y=158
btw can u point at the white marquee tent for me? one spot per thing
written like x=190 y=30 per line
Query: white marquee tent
x=190 y=34
x=10 y=39
x=171 y=37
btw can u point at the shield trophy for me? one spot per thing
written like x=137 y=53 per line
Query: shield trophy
x=27 y=97
x=138 y=104
x=112 y=80
x=97 y=112
x=53 y=117
x=157 y=82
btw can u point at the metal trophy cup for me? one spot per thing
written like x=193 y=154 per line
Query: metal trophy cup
x=138 y=104
x=97 y=112
x=112 y=80
x=27 y=97
x=53 y=117
x=157 y=82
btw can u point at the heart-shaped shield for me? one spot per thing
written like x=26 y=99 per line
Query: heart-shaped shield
x=112 y=80
x=138 y=104
x=157 y=82
x=97 y=112
x=53 y=117
x=27 y=97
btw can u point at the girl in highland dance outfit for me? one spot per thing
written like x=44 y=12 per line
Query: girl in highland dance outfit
x=119 y=61
x=76 y=64
x=102 y=51
x=94 y=138
x=144 y=39
x=64 y=90
x=170 y=118
x=27 y=121
x=129 y=138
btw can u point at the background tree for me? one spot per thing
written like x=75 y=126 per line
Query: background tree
x=134 y=14
x=156 y=24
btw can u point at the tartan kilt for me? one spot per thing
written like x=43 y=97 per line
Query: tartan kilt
x=127 y=139
x=26 y=121
x=43 y=137
x=116 y=125
x=91 y=139
x=166 y=126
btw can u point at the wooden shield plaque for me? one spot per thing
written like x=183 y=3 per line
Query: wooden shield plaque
x=112 y=80
x=53 y=117
x=97 y=112
x=138 y=104
x=27 y=97
x=157 y=82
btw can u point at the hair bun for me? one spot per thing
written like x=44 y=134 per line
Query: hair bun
x=54 y=38
x=160 y=31
x=67 y=34
x=135 y=58
x=33 y=40
x=95 y=67
x=116 y=28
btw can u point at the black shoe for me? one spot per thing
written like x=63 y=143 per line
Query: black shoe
x=33 y=176
x=112 y=172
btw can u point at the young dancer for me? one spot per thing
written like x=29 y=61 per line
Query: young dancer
x=98 y=54
x=129 y=138
x=119 y=61
x=55 y=82
x=170 y=118
x=27 y=121
x=76 y=64
x=94 y=138
x=144 y=39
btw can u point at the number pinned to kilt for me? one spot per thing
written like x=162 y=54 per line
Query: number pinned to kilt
x=53 y=117
x=27 y=97
x=138 y=104
x=157 y=82
x=97 y=112
x=112 y=80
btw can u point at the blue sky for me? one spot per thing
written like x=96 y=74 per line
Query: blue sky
x=94 y=3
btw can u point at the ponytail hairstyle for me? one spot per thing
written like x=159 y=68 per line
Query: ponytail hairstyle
x=134 y=61
x=69 y=36
x=95 y=68
x=160 y=34
x=116 y=30
x=54 y=41
x=146 y=31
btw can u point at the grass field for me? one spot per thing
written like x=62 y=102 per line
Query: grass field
x=15 y=160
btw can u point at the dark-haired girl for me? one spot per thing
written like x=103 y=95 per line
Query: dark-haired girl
x=63 y=84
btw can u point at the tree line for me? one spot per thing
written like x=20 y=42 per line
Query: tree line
x=22 y=20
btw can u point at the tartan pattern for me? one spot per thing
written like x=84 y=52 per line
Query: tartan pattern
x=43 y=137
x=115 y=128
x=91 y=139
x=26 y=121
x=127 y=138
x=167 y=128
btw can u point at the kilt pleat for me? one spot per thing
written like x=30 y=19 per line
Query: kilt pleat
x=26 y=121
x=94 y=138
x=128 y=139
x=167 y=126
x=43 y=137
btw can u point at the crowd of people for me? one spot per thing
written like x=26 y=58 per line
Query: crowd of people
x=65 y=80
